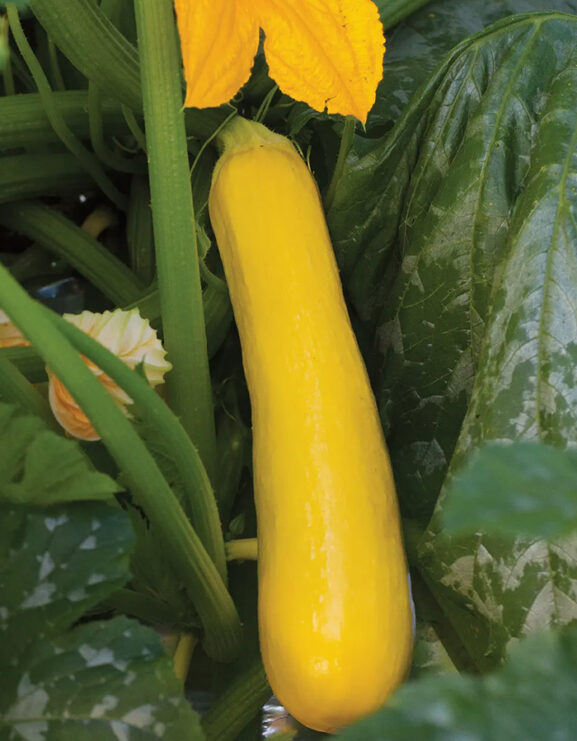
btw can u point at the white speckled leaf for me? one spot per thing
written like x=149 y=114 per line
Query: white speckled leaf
x=99 y=680
x=486 y=140
x=106 y=680
x=465 y=267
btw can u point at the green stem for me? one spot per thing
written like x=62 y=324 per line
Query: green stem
x=27 y=361
x=196 y=485
x=139 y=236
x=238 y=704
x=7 y=73
x=183 y=655
x=15 y=387
x=110 y=158
x=181 y=544
x=94 y=45
x=232 y=443
x=57 y=79
x=31 y=175
x=23 y=120
x=243 y=549
x=189 y=387
x=86 y=158
x=63 y=238
x=99 y=220
x=265 y=105
x=134 y=127
x=344 y=149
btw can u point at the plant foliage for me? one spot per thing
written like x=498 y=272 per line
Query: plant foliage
x=453 y=216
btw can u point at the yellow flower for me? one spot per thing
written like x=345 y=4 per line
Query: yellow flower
x=10 y=335
x=129 y=337
x=328 y=53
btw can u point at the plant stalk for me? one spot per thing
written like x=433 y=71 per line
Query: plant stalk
x=189 y=387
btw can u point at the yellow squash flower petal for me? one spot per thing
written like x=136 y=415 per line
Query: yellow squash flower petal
x=328 y=53
x=132 y=339
x=219 y=39
x=67 y=412
x=10 y=335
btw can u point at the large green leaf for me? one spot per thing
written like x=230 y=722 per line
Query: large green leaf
x=418 y=45
x=474 y=178
x=466 y=273
x=101 y=680
x=532 y=698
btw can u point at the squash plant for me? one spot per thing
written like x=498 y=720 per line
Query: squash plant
x=452 y=216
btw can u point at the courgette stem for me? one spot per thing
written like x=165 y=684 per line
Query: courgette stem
x=188 y=385
x=60 y=236
x=94 y=46
x=23 y=120
x=139 y=230
x=240 y=702
x=32 y=175
x=242 y=549
x=14 y=387
x=7 y=72
x=344 y=149
x=27 y=361
x=86 y=158
x=183 y=655
x=232 y=442
x=142 y=606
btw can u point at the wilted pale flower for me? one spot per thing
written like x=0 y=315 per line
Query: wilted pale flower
x=10 y=335
x=130 y=338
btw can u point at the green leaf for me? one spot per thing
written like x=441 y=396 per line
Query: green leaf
x=474 y=180
x=530 y=699
x=39 y=467
x=101 y=680
x=107 y=680
x=462 y=266
x=523 y=488
x=417 y=46
x=54 y=565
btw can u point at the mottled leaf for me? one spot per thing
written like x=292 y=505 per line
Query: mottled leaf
x=467 y=277
x=475 y=176
x=522 y=488
x=39 y=467
x=54 y=565
x=417 y=46
x=106 y=680
x=532 y=698
x=101 y=680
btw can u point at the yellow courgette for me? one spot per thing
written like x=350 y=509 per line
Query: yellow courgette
x=335 y=617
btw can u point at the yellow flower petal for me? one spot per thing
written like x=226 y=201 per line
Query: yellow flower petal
x=132 y=339
x=328 y=53
x=10 y=335
x=69 y=415
x=219 y=39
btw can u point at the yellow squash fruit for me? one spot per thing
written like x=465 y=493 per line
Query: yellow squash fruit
x=335 y=615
